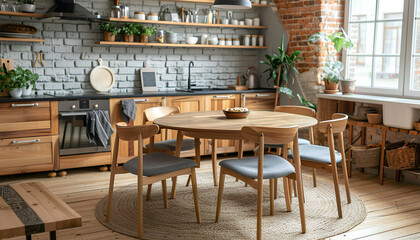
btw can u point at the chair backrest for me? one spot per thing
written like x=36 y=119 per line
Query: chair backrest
x=131 y=133
x=153 y=113
x=301 y=110
x=271 y=135
x=338 y=123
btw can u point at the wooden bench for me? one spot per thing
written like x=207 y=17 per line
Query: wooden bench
x=30 y=208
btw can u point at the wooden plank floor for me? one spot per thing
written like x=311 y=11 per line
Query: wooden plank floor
x=393 y=209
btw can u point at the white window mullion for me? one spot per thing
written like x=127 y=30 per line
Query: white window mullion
x=409 y=57
x=375 y=25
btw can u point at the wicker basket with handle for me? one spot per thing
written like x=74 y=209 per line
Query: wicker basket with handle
x=366 y=156
x=402 y=158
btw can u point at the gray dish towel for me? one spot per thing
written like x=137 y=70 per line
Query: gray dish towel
x=128 y=110
x=98 y=127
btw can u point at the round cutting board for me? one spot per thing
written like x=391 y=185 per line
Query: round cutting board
x=102 y=78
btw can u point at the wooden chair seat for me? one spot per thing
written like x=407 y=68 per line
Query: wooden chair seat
x=301 y=141
x=170 y=145
x=319 y=154
x=159 y=163
x=273 y=167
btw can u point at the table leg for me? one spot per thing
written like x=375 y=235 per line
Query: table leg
x=53 y=235
x=350 y=143
x=214 y=160
x=28 y=237
x=381 y=167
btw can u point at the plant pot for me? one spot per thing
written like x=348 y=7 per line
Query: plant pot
x=128 y=38
x=16 y=92
x=27 y=91
x=109 y=37
x=347 y=86
x=144 y=38
x=29 y=8
x=330 y=87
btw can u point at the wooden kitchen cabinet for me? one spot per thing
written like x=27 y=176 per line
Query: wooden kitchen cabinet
x=142 y=104
x=258 y=101
x=219 y=102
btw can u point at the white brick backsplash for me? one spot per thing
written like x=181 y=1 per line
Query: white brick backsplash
x=173 y=57
x=69 y=27
x=53 y=86
x=60 y=35
x=53 y=27
x=21 y=48
x=72 y=35
x=91 y=56
x=72 y=85
x=76 y=42
x=83 y=28
x=64 y=63
x=80 y=49
x=138 y=64
x=83 y=63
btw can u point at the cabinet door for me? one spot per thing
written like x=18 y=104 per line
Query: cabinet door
x=216 y=103
x=186 y=104
x=258 y=101
x=142 y=103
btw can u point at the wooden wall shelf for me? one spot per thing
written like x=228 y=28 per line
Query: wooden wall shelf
x=21 y=14
x=211 y=2
x=176 y=45
x=21 y=39
x=186 y=23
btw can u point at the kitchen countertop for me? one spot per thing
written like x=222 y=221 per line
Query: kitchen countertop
x=129 y=95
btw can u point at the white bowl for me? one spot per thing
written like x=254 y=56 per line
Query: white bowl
x=191 y=40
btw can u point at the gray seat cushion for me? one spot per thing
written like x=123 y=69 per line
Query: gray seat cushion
x=302 y=141
x=274 y=166
x=187 y=144
x=159 y=163
x=316 y=153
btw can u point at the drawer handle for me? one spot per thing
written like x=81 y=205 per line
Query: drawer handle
x=263 y=95
x=141 y=100
x=26 y=141
x=223 y=96
x=25 y=105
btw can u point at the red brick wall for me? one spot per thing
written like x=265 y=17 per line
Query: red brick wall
x=302 y=18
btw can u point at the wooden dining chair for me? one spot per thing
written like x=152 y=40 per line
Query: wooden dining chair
x=149 y=168
x=167 y=146
x=326 y=158
x=254 y=170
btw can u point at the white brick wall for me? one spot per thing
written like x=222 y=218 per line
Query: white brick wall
x=70 y=52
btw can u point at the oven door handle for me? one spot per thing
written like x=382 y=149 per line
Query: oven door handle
x=71 y=114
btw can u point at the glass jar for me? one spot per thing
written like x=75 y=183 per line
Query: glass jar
x=254 y=40
x=236 y=42
x=261 y=40
x=247 y=40
x=222 y=41
x=152 y=17
x=140 y=15
x=160 y=36
x=228 y=41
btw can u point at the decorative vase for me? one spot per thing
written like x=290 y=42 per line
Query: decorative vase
x=16 y=92
x=347 y=86
x=109 y=37
x=129 y=38
x=27 y=91
x=330 y=87
x=144 y=38
x=29 y=8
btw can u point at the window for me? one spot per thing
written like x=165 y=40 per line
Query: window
x=385 y=58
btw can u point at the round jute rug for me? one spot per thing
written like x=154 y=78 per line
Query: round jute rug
x=238 y=215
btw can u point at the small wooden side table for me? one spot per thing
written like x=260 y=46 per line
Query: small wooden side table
x=30 y=208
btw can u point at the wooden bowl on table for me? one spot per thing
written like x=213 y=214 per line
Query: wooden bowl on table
x=236 y=113
x=374 y=118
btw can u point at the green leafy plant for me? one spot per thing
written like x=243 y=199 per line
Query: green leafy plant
x=333 y=69
x=27 y=1
x=306 y=103
x=287 y=64
x=110 y=27
x=130 y=28
x=17 y=78
x=148 y=31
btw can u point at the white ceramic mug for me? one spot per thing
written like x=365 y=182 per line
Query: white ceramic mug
x=234 y=22
x=241 y=23
x=248 y=21
x=256 y=22
x=204 y=39
x=225 y=21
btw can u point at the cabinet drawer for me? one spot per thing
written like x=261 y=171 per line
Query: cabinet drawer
x=22 y=116
x=20 y=155
x=258 y=101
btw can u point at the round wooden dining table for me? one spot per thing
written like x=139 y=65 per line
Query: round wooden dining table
x=214 y=125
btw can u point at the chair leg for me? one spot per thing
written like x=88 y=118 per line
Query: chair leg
x=110 y=191
x=220 y=193
x=149 y=192
x=314 y=176
x=271 y=197
x=188 y=181
x=214 y=160
x=337 y=190
x=301 y=202
x=195 y=193
x=140 y=207
x=275 y=188
x=344 y=166
x=287 y=194
x=173 y=192
x=165 y=196
x=295 y=187
x=259 y=210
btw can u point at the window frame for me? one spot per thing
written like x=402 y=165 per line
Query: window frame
x=405 y=53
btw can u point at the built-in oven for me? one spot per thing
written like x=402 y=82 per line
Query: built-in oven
x=72 y=126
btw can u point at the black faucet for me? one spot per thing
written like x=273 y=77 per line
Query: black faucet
x=191 y=64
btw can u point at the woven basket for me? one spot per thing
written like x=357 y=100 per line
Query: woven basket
x=403 y=158
x=366 y=157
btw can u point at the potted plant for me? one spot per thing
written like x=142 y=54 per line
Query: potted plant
x=286 y=64
x=31 y=79
x=17 y=80
x=333 y=69
x=146 y=32
x=129 y=29
x=28 y=6
x=110 y=31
